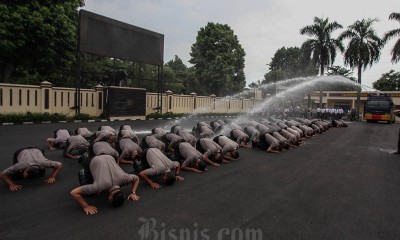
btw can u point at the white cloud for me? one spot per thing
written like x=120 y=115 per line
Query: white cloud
x=262 y=26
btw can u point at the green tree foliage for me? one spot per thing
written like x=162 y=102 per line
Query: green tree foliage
x=177 y=83
x=322 y=47
x=338 y=70
x=37 y=39
x=392 y=34
x=389 y=81
x=218 y=59
x=289 y=63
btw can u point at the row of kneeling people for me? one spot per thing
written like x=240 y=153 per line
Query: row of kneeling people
x=160 y=153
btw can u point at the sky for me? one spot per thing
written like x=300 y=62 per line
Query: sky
x=262 y=26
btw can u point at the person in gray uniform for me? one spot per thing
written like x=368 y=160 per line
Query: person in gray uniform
x=241 y=138
x=125 y=131
x=170 y=139
x=104 y=148
x=129 y=151
x=176 y=128
x=29 y=163
x=106 y=135
x=187 y=136
x=158 y=132
x=76 y=147
x=86 y=133
x=151 y=141
x=253 y=134
x=107 y=177
x=204 y=131
x=229 y=147
x=159 y=165
x=107 y=128
x=269 y=144
x=190 y=158
x=211 y=150
x=59 y=140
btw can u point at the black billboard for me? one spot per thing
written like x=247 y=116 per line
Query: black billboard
x=107 y=37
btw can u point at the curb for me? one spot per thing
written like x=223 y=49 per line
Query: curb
x=103 y=120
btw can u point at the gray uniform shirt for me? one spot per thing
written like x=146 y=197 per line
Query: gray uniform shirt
x=103 y=134
x=158 y=162
x=62 y=135
x=75 y=142
x=108 y=128
x=239 y=135
x=272 y=142
x=254 y=133
x=209 y=146
x=187 y=136
x=104 y=148
x=206 y=132
x=128 y=147
x=84 y=132
x=107 y=175
x=153 y=142
x=173 y=138
x=158 y=132
x=189 y=153
x=227 y=144
x=30 y=157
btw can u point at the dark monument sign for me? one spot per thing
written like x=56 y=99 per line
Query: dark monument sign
x=125 y=101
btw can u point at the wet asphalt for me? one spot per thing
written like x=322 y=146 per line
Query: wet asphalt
x=342 y=184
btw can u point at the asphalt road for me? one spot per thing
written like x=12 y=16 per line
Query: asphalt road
x=343 y=184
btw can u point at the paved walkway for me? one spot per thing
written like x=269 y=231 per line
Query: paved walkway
x=343 y=184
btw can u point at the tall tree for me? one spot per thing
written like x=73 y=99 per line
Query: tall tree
x=177 y=84
x=363 y=49
x=218 y=59
x=37 y=37
x=289 y=63
x=392 y=34
x=322 y=46
x=389 y=81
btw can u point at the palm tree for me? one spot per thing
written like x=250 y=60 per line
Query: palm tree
x=391 y=34
x=364 y=48
x=322 y=47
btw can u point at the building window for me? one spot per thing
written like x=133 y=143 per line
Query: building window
x=87 y=99
x=11 y=97
x=68 y=99
x=1 y=97
x=100 y=100
x=20 y=97
x=46 y=98
x=62 y=99
x=27 y=97
x=55 y=99
x=36 y=97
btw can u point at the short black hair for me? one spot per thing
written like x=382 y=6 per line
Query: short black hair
x=118 y=199
x=201 y=165
x=35 y=171
x=235 y=154
x=169 y=178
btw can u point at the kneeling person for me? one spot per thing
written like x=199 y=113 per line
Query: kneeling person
x=109 y=177
x=159 y=165
x=29 y=163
